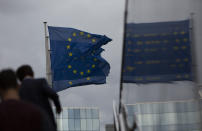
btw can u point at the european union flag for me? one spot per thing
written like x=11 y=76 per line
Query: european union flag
x=157 y=52
x=76 y=58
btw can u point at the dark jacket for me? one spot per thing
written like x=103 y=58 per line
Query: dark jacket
x=19 y=116
x=38 y=92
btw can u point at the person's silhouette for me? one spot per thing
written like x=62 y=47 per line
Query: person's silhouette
x=16 y=115
x=38 y=92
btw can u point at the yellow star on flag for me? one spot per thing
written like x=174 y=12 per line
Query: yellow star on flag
x=74 y=34
x=185 y=39
x=70 y=54
x=81 y=73
x=68 y=46
x=139 y=42
x=69 y=66
x=177 y=40
x=182 y=32
x=70 y=82
x=81 y=33
x=88 y=71
x=69 y=39
x=175 y=33
x=184 y=47
x=93 y=40
x=93 y=66
x=74 y=71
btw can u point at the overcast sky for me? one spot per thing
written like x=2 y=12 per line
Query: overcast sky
x=22 y=38
x=22 y=42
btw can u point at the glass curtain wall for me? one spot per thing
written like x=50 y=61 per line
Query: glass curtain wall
x=78 y=119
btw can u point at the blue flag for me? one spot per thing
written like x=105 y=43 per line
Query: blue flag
x=157 y=52
x=76 y=58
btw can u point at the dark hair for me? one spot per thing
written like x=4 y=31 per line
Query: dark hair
x=23 y=71
x=8 y=79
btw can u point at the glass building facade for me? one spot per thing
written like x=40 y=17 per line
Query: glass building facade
x=109 y=127
x=166 y=116
x=78 y=119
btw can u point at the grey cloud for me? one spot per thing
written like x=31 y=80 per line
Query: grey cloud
x=13 y=6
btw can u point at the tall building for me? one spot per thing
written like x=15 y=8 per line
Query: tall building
x=166 y=116
x=78 y=119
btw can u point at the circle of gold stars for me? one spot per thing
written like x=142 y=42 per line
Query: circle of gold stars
x=74 y=34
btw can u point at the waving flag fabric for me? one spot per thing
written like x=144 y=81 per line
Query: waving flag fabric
x=76 y=58
x=157 y=52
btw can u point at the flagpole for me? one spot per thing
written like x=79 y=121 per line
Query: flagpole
x=194 y=59
x=123 y=49
x=116 y=117
x=48 y=69
x=193 y=53
x=192 y=43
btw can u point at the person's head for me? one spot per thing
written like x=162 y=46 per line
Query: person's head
x=23 y=71
x=8 y=80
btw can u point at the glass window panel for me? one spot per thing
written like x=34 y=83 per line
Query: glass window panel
x=82 y=113
x=59 y=124
x=96 y=124
x=76 y=113
x=130 y=120
x=65 y=113
x=95 y=113
x=77 y=124
x=71 y=124
x=156 y=108
x=88 y=113
x=169 y=119
x=89 y=124
x=149 y=119
x=168 y=107
x=70 y=113
x=135 y=109
x=64 y=124
x=191 y=106
x=83 y=124
x=146 y=108
x=130 y=110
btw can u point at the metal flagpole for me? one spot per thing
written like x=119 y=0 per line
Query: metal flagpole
x=194 y=60
x=192 y=43
x=193 y=54
x=48 y=69
x=120 y=111
x=122 y=116
x=123 y=49
x=116 y=116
